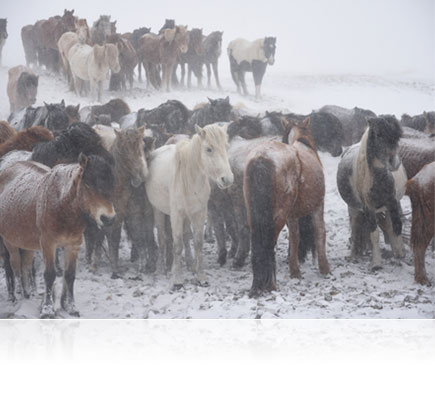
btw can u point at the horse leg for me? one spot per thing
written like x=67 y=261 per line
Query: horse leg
x=113 y=239
x=197 y=222
x=244 y=236
x=139 y=70
x=26 y=271
x=216 y=221
x=395 y=240
x=146 y=67
x=258 y=70
x=189 y=76
x=208 y=75
x=48 y=253
x=10 y=277
x=216 y=75
x=177 y=223
x=159 y=219
x=293 y=262
x=235 y=76
x=376 y=262
x=187 y=234
x=320 y=240
x=100 y=90
x=420 y=275
x=15 y=262
x=183 y=73
x=242 y=82
x=69 y=275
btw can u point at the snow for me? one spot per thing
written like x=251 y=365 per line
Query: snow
x=353 y=291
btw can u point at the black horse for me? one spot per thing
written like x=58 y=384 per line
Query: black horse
x=251 y=56
x=218 y=110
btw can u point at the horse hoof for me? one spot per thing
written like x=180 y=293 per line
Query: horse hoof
x=222 y=260
x=114 y=276
x=202 y=283
x=295 y=275
x=59 y=272
x=177 y=286
x=47 y=312
x=376 y=268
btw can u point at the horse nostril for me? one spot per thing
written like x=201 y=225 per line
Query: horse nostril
x=107 y=221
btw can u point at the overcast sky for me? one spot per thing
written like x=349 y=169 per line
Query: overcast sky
x=313 y=36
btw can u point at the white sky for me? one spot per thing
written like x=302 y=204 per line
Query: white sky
x=313 y=36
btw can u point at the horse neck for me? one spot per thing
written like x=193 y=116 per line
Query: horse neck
x=363 y=179
x=189 y=166
x=68 y=187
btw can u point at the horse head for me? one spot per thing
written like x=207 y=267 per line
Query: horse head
x=221 y=109
x=69 y=20
x=27 y=86
x=57 y=119
x=129 y=151
x=196 y=41
x=269 y=48
x=384 y=133
x=214 y=154
x=82 y=30
x=182 y=38
x=95 y=182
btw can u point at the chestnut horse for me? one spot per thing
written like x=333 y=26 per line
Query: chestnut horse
x=421 y=190
x=44 y=209
x=283 y=183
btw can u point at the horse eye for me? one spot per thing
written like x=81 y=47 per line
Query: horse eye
x=209 y=149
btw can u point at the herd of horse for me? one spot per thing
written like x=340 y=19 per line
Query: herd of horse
x=86 y=55
x=165 y=173
x=71 y=174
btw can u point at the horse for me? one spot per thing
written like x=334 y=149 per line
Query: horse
x=371 y=180
x=3 y=35
x=115 y=109
x=32 y=218
x=178 y=186
x=6 y=131
x=127 y=62
x=216 y=110
x=169 y=24
x=134 y=40
x=26 y=140
x=415 y=153
x=424 y=122
x=173 y=114
x=67 y=146
x=283 y=182
x=250 y=56
x=22 y=87
x=92 y=64
x=421 y=190
x=52 y=116
x=354 y=121
x=101 y=29
x=193 y=58
x=29 y=45
x=47 y=33
x=212 y=45
x=69 y=39
x=130 y=170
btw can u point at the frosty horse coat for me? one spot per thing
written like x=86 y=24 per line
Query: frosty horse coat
x=371 y=180
x=250 y=56
x=178 y=186
x=22 y=87
x=3 y=36
x=283 y=183
x=421 y=190
x=92 y=64
x=26 y=140
x=44 y=209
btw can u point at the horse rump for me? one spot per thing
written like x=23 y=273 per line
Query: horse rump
x=258 y=188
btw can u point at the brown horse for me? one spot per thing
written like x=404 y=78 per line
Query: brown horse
x=44 y=209
x=6 y=131
x=26 y=139
x=421 y=190
x=130 y=172
x=193 y=58
x=283 y=183
x=415 y=153
x=162 y=49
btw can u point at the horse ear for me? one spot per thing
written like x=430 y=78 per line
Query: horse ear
x=62 y=103
x=78 y=107
x=284 y=123
x=199 y=130
x=141 y=131
x=83 y=160
x=117 y=133
x=227 y=99
x=306 y=122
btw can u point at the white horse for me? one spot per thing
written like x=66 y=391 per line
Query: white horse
x=250 y=56
x=371 y=180
x=92 y=64
x=69 y=39
x=178 y=186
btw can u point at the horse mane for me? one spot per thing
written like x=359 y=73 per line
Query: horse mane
x=99 y=175
x=188 y=154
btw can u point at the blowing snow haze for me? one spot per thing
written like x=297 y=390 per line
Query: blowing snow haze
x=313 y=37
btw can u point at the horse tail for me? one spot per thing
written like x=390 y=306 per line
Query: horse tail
x=306 y=238
x=258 y=191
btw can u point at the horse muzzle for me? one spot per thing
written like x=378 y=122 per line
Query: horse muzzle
x=271 y=60
x=225 y=182
x=106 y=221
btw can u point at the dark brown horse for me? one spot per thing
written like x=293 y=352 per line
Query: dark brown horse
x=283 y=183
x=6 y=131
x=421 y=190
x=415 y=153
x=26 y=139
x=44 y=209
x=193 y=58
x=130 y=171
x=212 y=51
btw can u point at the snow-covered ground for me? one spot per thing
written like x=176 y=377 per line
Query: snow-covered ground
x=353 y=291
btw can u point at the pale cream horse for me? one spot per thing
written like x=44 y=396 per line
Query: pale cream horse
x=67 y=40
x=178 y=186
x=92 y=64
